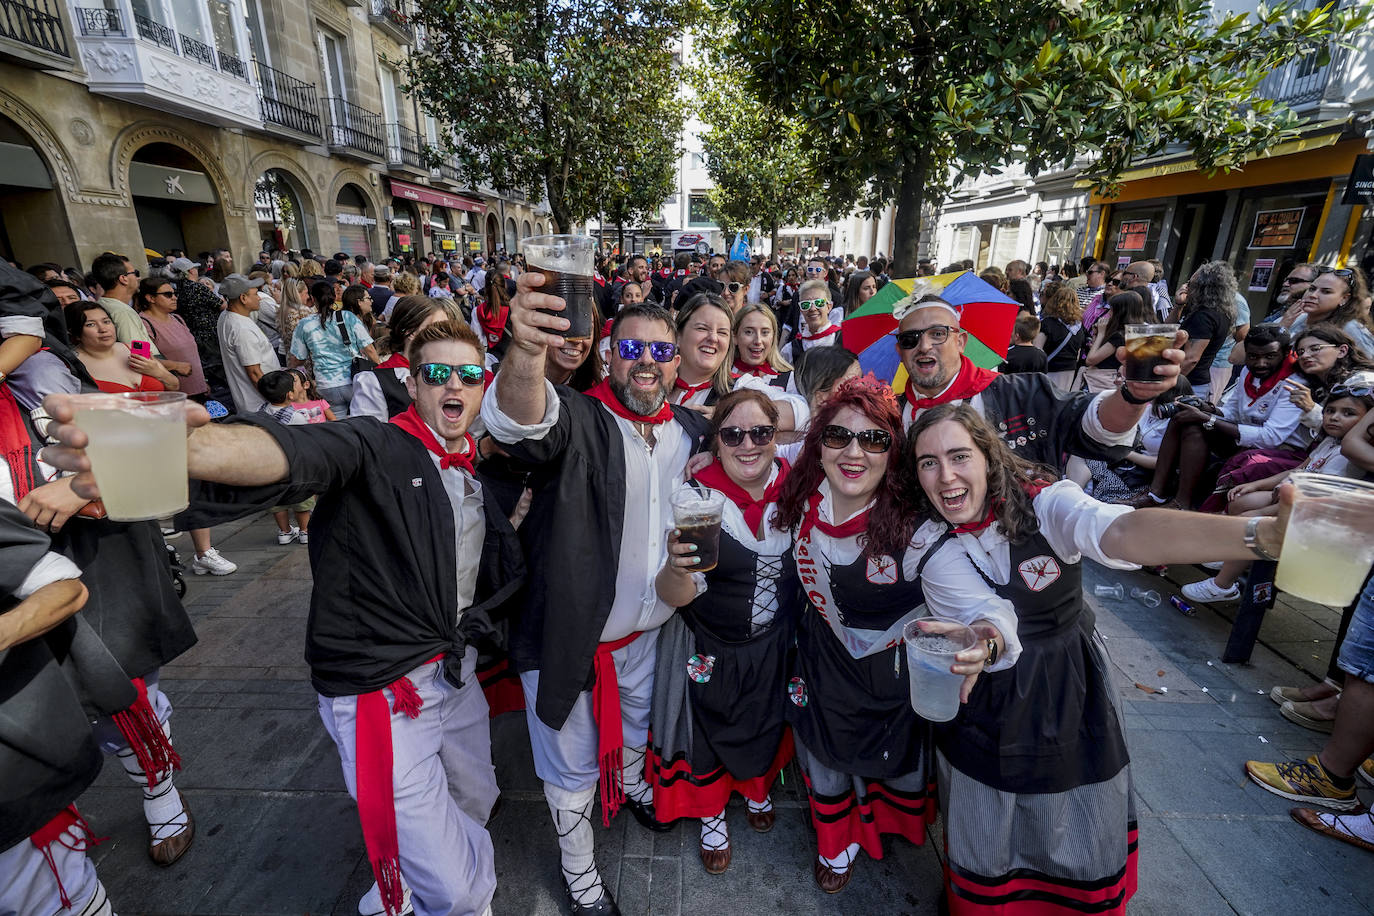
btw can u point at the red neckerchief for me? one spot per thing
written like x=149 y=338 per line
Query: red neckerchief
x=970 y=381
x=714 y=476
x=410 y=422
x=830 y=330
x=603 y=393
x=1256 y=391
x=1032 y=489
x=679 y=273
x=493 y=326
x=812 y=519
x=395 y=361
x=16 y=449
x=680 y=385
x=742 y=368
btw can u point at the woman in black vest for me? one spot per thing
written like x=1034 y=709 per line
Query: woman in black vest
x=1036 y=756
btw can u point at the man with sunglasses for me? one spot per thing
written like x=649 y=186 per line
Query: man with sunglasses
x=817 y=324
x=599 y=530
x=1036 y=420
x=410 y=560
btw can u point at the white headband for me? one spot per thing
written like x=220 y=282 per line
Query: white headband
x=909 y=306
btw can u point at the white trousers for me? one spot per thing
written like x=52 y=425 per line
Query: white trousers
x=444 y=786
x=28 y=888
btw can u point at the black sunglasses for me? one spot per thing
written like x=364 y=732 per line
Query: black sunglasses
x=734 y=435
x=660 y=351
x=436 y=374
x=939 y=333
x=873 y=441
x=1345 y=273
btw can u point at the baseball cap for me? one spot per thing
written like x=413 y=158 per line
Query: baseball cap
x=183 y=264
x=235 y=285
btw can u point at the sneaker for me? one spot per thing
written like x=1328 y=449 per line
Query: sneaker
x=1208 y=592
x=287 y=537
x=1214 y=567
x=1307 y=715
x=303 y=537
x=1302 y=781
x=213 y=564
x=1281 y=695
x=1366 y=772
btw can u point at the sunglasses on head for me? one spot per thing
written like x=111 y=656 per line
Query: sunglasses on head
x=733 y=436
x=873 y=441
x=807 y=305
x=1346 y=391
x=1345 y=273
x=661 y=351
x=938 y=333
x=436 y=374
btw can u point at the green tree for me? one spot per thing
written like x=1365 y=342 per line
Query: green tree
x=544 y=97
x=642 y=173
x=754 y=155
x=894 y=93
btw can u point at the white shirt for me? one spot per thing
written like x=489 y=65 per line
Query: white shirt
x=1268 y=421
x=368 y=399
x=266 y=317
x=650 y=479
x=1326 y=458
x=242 y=343
x=801 y=410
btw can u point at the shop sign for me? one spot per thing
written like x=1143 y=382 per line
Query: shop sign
x=448 y=244
x=1277 y=228
x=403 y=239
x=1360 y=188
x=149 y=180
x=1131 y=236
x=1261 y=275
x=686 y=241
x=354 y=219
x=407 y=191
x=474 y=246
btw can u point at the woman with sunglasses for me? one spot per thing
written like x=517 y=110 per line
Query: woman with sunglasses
x=156 y=302
x=735 y=277
x=867 y=560
x=1326 y=355
x=719 y=704
x=1034 y=777
x=1341 y=298
x=756 y=346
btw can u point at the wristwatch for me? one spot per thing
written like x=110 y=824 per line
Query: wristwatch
x=1252 y=540
x=1129 y=398
x=1211 y=422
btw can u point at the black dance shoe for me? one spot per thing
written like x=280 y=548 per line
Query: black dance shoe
x=604 y=906
x=644 y=813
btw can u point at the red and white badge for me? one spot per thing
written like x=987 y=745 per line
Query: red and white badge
x=882 y=570
x=1039 y=573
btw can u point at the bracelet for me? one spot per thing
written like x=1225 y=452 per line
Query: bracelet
x=1252 y=540
x=1129 y=398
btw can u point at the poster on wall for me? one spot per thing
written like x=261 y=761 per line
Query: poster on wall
x=1261 y=275
x=1122 y=261
x=1276 y=228
x=1131 y=235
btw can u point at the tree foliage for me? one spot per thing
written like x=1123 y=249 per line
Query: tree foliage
x=571 y=101
x=896 y=92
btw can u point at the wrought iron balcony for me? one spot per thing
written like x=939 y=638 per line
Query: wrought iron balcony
x=403 y=146
x=156 y=32
x=287 y=101
x=355 y=129
x=391 y=16
x=234 y=66
x=98 y=23
x=198 y=51
x=35 y=24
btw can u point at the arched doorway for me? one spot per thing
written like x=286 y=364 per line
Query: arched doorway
x=175 y=201
x=284 y=218
x=33 y=222
x=356 y=221
x=525 y=230
x=493 y=234
x=512 y=240
x=538 y=228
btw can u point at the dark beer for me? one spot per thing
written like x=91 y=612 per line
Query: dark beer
x=704 y=532
x=1145 y=346
x=578 y=294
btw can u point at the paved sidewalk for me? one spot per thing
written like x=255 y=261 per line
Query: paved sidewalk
x=277 y=833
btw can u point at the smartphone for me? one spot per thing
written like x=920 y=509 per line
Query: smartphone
x=141 y=348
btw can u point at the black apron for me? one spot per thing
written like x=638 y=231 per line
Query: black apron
x=1047 y=723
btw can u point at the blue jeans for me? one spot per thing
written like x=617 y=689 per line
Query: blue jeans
x=339 y=399
x=1357 y=651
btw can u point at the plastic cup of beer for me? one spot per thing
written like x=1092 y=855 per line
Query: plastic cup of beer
x=137 y=450
x=1145 y=346
x=929 y=655
x=568 y=263
x=1329 y=544
x=696 y=515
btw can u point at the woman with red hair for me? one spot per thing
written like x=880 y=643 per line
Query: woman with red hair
x=867 y=562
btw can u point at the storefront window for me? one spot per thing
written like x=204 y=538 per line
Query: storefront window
x=1133 y=235
x=1271 y=234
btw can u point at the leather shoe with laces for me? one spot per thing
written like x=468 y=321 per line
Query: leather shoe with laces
x=604 y=905
x=644 y=813
x=829 y=880
x=175 y=846
x=761 y=821
x=716 y=860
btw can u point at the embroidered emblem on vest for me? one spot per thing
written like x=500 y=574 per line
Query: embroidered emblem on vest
x=1039 y=573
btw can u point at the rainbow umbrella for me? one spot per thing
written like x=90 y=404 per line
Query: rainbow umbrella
x=987 y=314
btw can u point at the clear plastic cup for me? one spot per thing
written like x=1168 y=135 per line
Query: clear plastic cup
x=1329 y=544
x=1110 y=591
x=1147 y=596
x=1145 y=346
x=934 y=688
x=697 y=519
x=568 y=264
x=137 y=451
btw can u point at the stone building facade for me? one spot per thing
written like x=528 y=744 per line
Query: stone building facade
x=140 y=126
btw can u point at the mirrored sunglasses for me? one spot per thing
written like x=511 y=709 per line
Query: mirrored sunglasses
x=660 y=351
x=436 y=374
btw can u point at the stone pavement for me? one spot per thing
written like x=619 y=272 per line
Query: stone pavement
x=277 y=833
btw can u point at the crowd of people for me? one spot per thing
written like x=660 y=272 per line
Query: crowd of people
x=493 y=502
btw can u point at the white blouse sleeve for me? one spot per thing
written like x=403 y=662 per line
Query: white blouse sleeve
x=953 y=588
x=1074 y=523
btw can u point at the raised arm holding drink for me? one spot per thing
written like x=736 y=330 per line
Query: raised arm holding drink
x=567 y=263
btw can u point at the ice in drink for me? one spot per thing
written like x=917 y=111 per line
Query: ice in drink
x=934 y=688
x=696 y=515
x=1145 y=346
x=138 y=452
x=1329 y=544
x=567 y=263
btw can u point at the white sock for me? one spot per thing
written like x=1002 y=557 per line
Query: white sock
x=575 y=844
x=715 y=832
x=162 y=805
x=635 y=786
x=1360 y=825
x=98 y=905
x=840 y=864
x=761 y=807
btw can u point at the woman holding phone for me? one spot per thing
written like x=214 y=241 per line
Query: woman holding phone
x=113 y=366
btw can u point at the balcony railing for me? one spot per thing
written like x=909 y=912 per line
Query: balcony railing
x=234 y=66
x=351 y=127
x=287 y=101
x=1302 y=80
x=449 y=170
x=198 y=51
x=403 y=146
x=98 y=22
x=156 y=32
x=391 y=14
x=34 y=23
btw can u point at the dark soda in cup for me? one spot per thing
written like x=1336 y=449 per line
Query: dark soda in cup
x=1145 y=346
x=567 y=263
x=696 y=515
